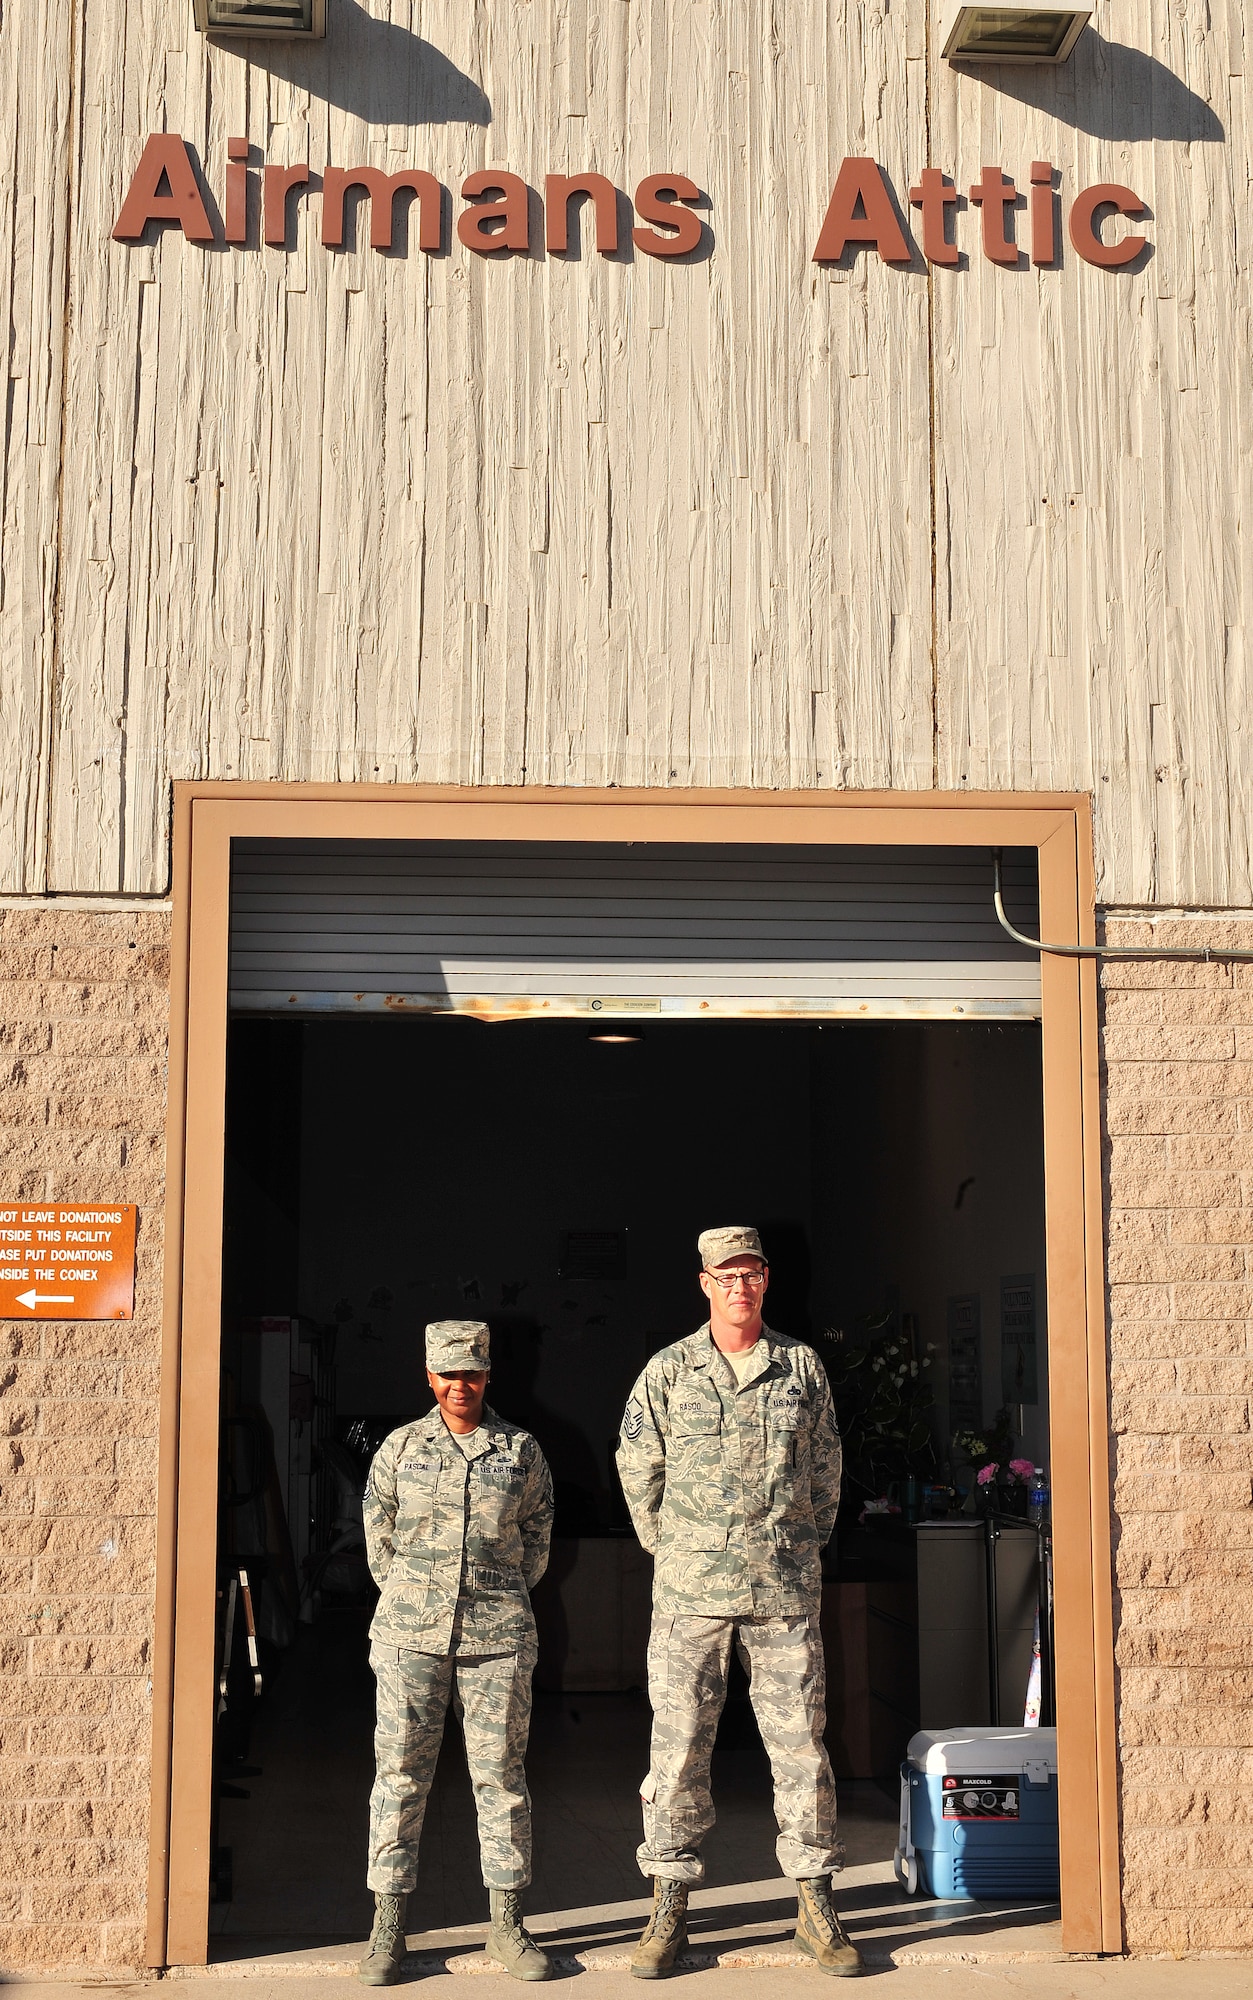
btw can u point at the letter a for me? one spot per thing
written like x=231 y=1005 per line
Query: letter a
x=476 y=226
x=164 y=158
x=860 y=180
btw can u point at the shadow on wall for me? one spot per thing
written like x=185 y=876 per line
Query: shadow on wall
x=1111 y=92
x=375 y=69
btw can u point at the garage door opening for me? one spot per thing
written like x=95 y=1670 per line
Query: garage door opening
x=388 y=1164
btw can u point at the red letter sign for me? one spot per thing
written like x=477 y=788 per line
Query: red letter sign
x=860 y=180
x=164 y=157
x=1043 y=245
x=933 y=194
x=998 y=194
x=277 y=184
x=1107 y=194
x=511 y=209
x=649 y=204
x=382 y=189
x=560 y=190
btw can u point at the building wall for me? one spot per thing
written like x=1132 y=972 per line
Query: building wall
x=1178 y=1049
x=84 y=1001
x=346 y=515
x=744 y=520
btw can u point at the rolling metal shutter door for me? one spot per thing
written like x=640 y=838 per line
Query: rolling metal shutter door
x=499 y=929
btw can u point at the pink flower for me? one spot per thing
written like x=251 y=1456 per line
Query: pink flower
x=987 y=1474
x=1023 y=1469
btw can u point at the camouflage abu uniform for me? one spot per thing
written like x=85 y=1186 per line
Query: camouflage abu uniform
x=457 y=1533
x=733 y=1488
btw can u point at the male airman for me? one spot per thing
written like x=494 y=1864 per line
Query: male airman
x=458 y=1518
x=730 y=1462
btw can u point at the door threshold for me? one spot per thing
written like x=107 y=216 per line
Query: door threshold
x=743 y=1926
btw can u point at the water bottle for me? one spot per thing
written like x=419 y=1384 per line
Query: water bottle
x=1038 y=1497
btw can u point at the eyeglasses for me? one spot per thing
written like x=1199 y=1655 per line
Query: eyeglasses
x=729 y=1280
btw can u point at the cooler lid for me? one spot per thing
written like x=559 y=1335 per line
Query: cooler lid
x=978 y=1751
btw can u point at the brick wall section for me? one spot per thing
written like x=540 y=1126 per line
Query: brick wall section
x=84 y=998
x=83 y=1015
x=1178 y=1049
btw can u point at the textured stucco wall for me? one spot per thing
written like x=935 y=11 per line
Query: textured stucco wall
x=84 y=1000
x=310 y=513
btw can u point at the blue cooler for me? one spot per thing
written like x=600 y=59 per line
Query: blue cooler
x=979 y=1813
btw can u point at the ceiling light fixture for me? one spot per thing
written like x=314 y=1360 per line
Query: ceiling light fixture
x=614 y=1035
x=1011 y=34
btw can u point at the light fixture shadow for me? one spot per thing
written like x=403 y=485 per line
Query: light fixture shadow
x=374 y=68
x=1108 y=90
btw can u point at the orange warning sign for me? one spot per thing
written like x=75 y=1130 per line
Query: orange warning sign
x=67 y=1261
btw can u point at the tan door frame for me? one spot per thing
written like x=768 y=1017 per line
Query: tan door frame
x=206 y=818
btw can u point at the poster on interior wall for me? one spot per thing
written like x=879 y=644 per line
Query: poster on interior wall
x=965 y=1362
x=592 y=1253
x=1020 y=1382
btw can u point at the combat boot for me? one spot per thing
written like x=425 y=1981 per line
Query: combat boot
x=665 y=1933
x=385 y=1953
x=819 y=1932
x=509 y=1944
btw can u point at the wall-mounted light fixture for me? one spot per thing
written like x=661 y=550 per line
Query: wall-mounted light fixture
x=276 y=20
x=1011 y=34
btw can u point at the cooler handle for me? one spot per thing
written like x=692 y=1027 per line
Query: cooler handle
x=905 y=1859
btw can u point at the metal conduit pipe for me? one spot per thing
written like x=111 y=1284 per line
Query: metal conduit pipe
x=1149 y=951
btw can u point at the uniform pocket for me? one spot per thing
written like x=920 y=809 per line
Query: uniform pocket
x=694 y=1448
x=417 y=1483
x=409 y=1569
x=694 y=1514
x=682 y=1531
x=797 y=1544
x=494 y=1538
x=782 y=1451
x=695 y=1416
x=405 y=1591
x=494 y=1497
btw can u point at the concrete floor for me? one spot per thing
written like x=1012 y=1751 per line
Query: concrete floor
x=1102 y=1979
x=299 y=1905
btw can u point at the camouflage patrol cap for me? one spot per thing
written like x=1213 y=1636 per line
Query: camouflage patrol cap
x=454 y=1345
x=736 y=1240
